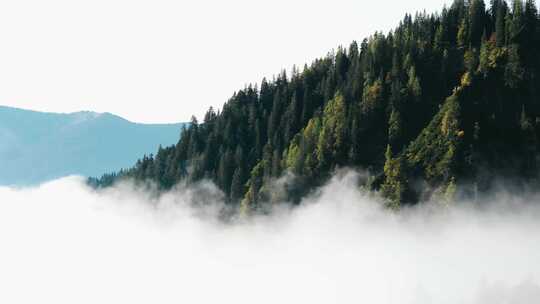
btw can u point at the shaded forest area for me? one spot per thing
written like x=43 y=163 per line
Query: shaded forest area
x=444 y=102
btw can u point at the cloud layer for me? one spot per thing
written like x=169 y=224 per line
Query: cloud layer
x=65 y=243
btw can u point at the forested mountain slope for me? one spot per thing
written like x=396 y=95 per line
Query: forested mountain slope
x=37 y=147
x=426 y=109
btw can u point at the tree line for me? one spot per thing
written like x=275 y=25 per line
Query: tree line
x=426 y=109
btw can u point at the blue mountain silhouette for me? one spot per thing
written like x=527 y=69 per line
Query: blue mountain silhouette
x=36 y=147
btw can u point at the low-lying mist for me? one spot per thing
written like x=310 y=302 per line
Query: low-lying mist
x=66 y=243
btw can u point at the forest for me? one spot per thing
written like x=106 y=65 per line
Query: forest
x=437 y=108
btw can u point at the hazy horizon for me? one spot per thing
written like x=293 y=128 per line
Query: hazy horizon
x=87 y=112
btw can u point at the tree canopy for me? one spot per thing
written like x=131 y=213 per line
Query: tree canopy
x=435 y=100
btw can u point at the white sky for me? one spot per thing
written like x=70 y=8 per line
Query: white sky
x=164 y=60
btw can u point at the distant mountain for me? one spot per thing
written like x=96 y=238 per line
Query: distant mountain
x=37 y=147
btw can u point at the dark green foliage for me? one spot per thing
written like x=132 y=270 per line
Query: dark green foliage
x=477 y=13
x=428 y=104
x=395 y=186
x=499 y=12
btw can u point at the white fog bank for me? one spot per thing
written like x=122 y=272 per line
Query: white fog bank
x=65 y=243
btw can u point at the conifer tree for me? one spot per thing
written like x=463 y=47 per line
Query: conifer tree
x=500 y=22
x=477 y=10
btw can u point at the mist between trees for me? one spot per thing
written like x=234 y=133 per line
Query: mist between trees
x=424 y=109
x=65 y=242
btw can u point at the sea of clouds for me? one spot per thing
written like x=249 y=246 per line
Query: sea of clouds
x=63 y=242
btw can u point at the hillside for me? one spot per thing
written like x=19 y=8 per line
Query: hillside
x=443 y=104
x=37 y=147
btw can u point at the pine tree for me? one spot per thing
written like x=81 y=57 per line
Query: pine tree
x=500 y=23
x=395 y=129
x=515 y=22
x=395 y=183
x=225 y=171
x=463 y=33
x=514 y=71
x=237 y=186
x=477 y=10
x=531 y=22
